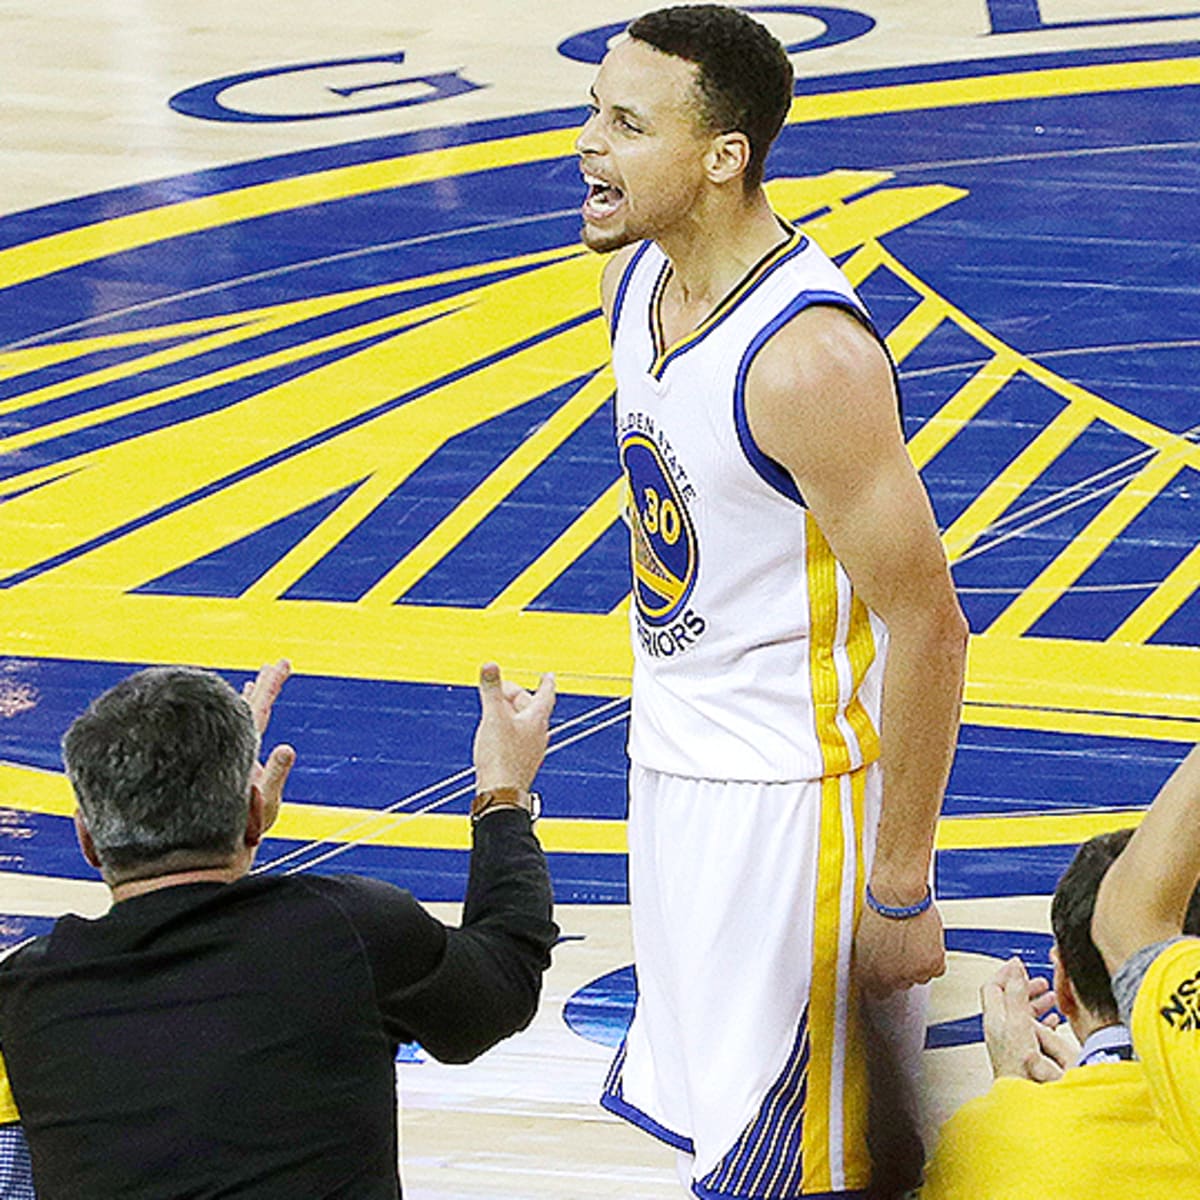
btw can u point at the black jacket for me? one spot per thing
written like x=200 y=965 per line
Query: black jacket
x=214 y=1039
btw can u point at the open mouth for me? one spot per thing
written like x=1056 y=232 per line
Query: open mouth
x=602 y=199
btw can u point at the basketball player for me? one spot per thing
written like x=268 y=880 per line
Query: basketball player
x=786 y=773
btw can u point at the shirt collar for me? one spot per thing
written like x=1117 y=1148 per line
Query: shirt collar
x=1107 y=1045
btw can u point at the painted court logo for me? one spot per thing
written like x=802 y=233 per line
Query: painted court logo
x=360 y=397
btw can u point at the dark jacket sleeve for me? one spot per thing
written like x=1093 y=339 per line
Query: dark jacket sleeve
x=460 y=991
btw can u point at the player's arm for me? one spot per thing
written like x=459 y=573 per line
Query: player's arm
x=821 y=401
x=1144 y=894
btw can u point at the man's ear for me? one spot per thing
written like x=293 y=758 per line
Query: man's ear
x=256 y=824
x=259 y=818
x=85 y=842
x=1064 y=990
x=728 y=157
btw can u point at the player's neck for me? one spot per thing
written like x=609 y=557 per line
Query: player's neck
x=714 y=248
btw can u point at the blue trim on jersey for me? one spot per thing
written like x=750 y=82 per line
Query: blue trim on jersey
x=750 y=283
x=772 y=473
x=623 y=286
x=612 y=1100
x=622 y=1108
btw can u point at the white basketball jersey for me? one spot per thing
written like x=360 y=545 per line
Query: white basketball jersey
x=753 y=658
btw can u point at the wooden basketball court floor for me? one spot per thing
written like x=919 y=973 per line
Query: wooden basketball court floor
x=299 y=356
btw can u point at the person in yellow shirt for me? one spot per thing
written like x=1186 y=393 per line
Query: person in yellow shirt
x=1056 y=1122
x=1156 y=972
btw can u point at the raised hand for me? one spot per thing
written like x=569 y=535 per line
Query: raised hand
x=513 y=730
x=269 y=777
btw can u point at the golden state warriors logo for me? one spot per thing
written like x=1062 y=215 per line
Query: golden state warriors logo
x=663 y=540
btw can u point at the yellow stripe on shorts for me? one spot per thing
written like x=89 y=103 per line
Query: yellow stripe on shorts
x=834 y=1140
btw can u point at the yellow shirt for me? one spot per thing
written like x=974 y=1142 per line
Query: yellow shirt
x=1166 y=1035
x=1090 y=1134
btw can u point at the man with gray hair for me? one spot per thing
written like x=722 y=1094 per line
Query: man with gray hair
x=218 y=1033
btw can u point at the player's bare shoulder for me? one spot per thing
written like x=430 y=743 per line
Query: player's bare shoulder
x=610 y=280
x=820 y=387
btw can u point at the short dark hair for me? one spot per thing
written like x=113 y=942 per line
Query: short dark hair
x=744 y=74
x=161 y=766
x=1071 y=919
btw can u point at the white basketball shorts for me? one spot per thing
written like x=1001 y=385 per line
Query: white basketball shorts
x=745 y=1049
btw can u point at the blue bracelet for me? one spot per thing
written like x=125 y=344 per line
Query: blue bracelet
x=904 y=912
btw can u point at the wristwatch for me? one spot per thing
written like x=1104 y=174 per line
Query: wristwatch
x=506 y=797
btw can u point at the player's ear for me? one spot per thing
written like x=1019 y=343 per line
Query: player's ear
x=728 y=157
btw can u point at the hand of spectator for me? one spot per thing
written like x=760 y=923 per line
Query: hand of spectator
x=1042 y=1001
x=1019 y=1042
x=269 y=777
x=513 y=731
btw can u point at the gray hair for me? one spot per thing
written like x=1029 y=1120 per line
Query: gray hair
x=161 y=766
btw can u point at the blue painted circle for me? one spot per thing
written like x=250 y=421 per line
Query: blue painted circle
x=602 y=1010
x=841 y=25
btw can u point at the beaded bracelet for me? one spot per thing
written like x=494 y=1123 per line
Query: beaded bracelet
x=902 y=912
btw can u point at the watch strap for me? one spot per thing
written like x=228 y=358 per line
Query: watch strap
x=506 y=797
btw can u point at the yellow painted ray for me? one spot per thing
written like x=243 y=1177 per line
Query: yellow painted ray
x=970 y=399
x=1013 y=482
x=796 y=198
x=1126 y=422
x=864 y=262
x=915 y=327
x=106 y=413
x=127 y=480
x=564 y=551
x=47 y=792
x=1087 y=545
x=52 y=354
x=849 y=225
x=229 y=331
x=475 y=507
x=1162 y=603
